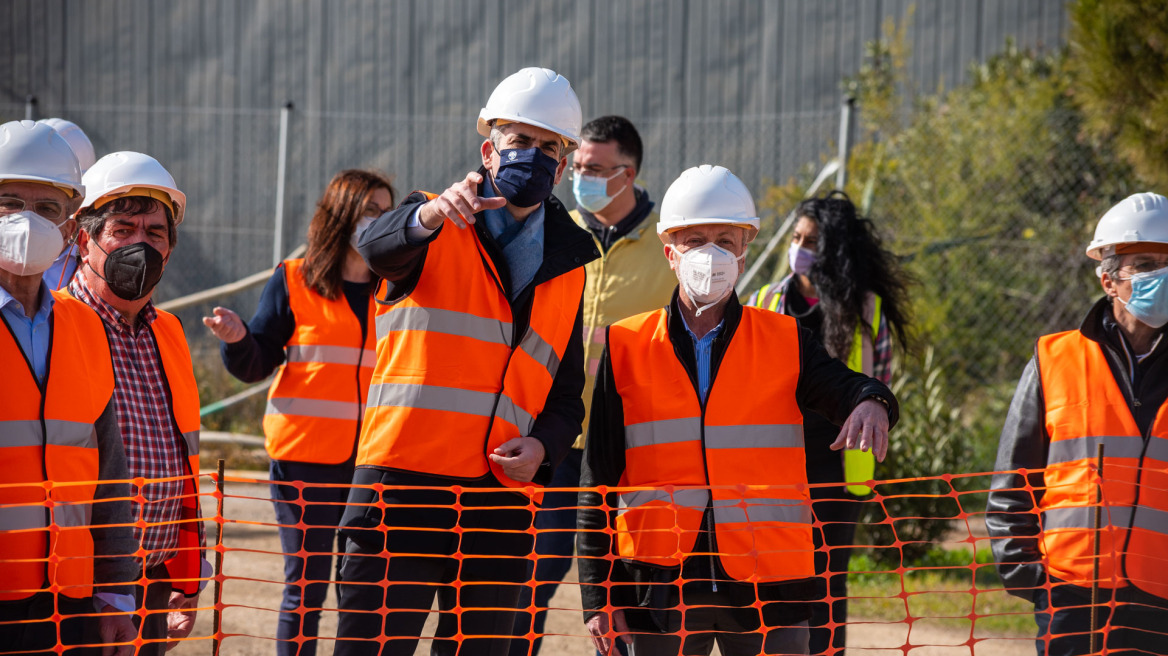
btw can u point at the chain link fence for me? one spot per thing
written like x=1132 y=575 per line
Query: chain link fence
x=991 y=218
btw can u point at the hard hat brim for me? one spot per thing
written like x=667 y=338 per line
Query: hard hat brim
x=750 y=225
x=177 y=198
x=78 y=190
x=1095 y=251
x=484 y=127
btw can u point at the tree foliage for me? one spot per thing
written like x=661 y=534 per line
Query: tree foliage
x=1119 y=54
x=990 y=191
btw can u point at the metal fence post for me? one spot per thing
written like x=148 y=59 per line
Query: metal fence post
x=281 y=175
x=845 y=133
x=30 y=102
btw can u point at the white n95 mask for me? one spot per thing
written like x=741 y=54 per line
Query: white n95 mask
x=29 y=243
x=707 y=273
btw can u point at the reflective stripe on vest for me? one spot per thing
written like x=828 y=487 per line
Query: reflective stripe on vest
x=63 y=453
x=450 y=366
x=1085 y=408
x=318 y=396
x=751 y=445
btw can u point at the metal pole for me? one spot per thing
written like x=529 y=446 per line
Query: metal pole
x=826 y=171
x=281 y=174
x=845 y=133
x=218 y=618
x=1095 y=577
x=30 y=102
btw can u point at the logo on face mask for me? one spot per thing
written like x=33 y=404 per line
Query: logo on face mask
x=526 y=176
x=132 y=271
x=707 y=273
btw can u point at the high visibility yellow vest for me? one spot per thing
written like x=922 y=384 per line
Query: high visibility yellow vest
x=859 y=466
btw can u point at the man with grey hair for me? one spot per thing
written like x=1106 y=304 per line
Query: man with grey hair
x=475 y=396
x=1078 y=508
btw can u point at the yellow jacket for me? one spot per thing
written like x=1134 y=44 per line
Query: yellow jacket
x=632 y=277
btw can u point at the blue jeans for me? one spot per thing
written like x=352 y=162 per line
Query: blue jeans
x=306 y=579
x=555 y=544
x=1063 y=616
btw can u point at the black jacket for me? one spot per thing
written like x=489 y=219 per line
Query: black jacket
x=825 y=385
x=1011 y=511
x=398 y=260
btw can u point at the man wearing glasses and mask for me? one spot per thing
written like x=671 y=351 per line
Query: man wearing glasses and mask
x=66 y=547
x=1106 y=384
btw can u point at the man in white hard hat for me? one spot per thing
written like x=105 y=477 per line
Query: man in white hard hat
x=629 y=278
x=683 y=420
x=1102 y=385
x=63 y=268
x=475 y=396
x=129 y=222
x=57 y=423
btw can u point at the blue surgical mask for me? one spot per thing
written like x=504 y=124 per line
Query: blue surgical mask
x=526 y=176
x=801 y=259
x=591 y=191
x=1149 y=297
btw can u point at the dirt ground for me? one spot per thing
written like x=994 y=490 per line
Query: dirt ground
x=254 y=567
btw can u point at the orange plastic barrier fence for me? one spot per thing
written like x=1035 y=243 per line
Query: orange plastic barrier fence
x=921 y=579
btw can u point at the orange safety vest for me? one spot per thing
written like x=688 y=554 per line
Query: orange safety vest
x=749 y=436
x=1085 y=407
x=316 y=401
x=49 y=455
x=453 y=381
x=185 y=567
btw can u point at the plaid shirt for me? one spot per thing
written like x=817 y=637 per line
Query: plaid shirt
x=154 y=445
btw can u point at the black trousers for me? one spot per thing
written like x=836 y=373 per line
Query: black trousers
x=476 y=569
x=708 y=620
x=1139 y=624
x=839 y=513
x=26 y=625
x=155 y=599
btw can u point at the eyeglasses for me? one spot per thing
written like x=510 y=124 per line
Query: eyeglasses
x=594 y=171
x=1147 y=266
x=50 y=209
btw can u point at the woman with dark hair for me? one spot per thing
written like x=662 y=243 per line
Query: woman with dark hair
x=852 y=294
x=314 y=323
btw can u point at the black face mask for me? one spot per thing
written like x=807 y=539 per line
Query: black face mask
x=526 y=176
x=132 y=271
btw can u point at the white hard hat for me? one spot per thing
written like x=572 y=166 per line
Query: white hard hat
x=35 y=152
x=132 y=174
x=705 y=195
x=539 y=97
x=1138 y=219
x=77 y=140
